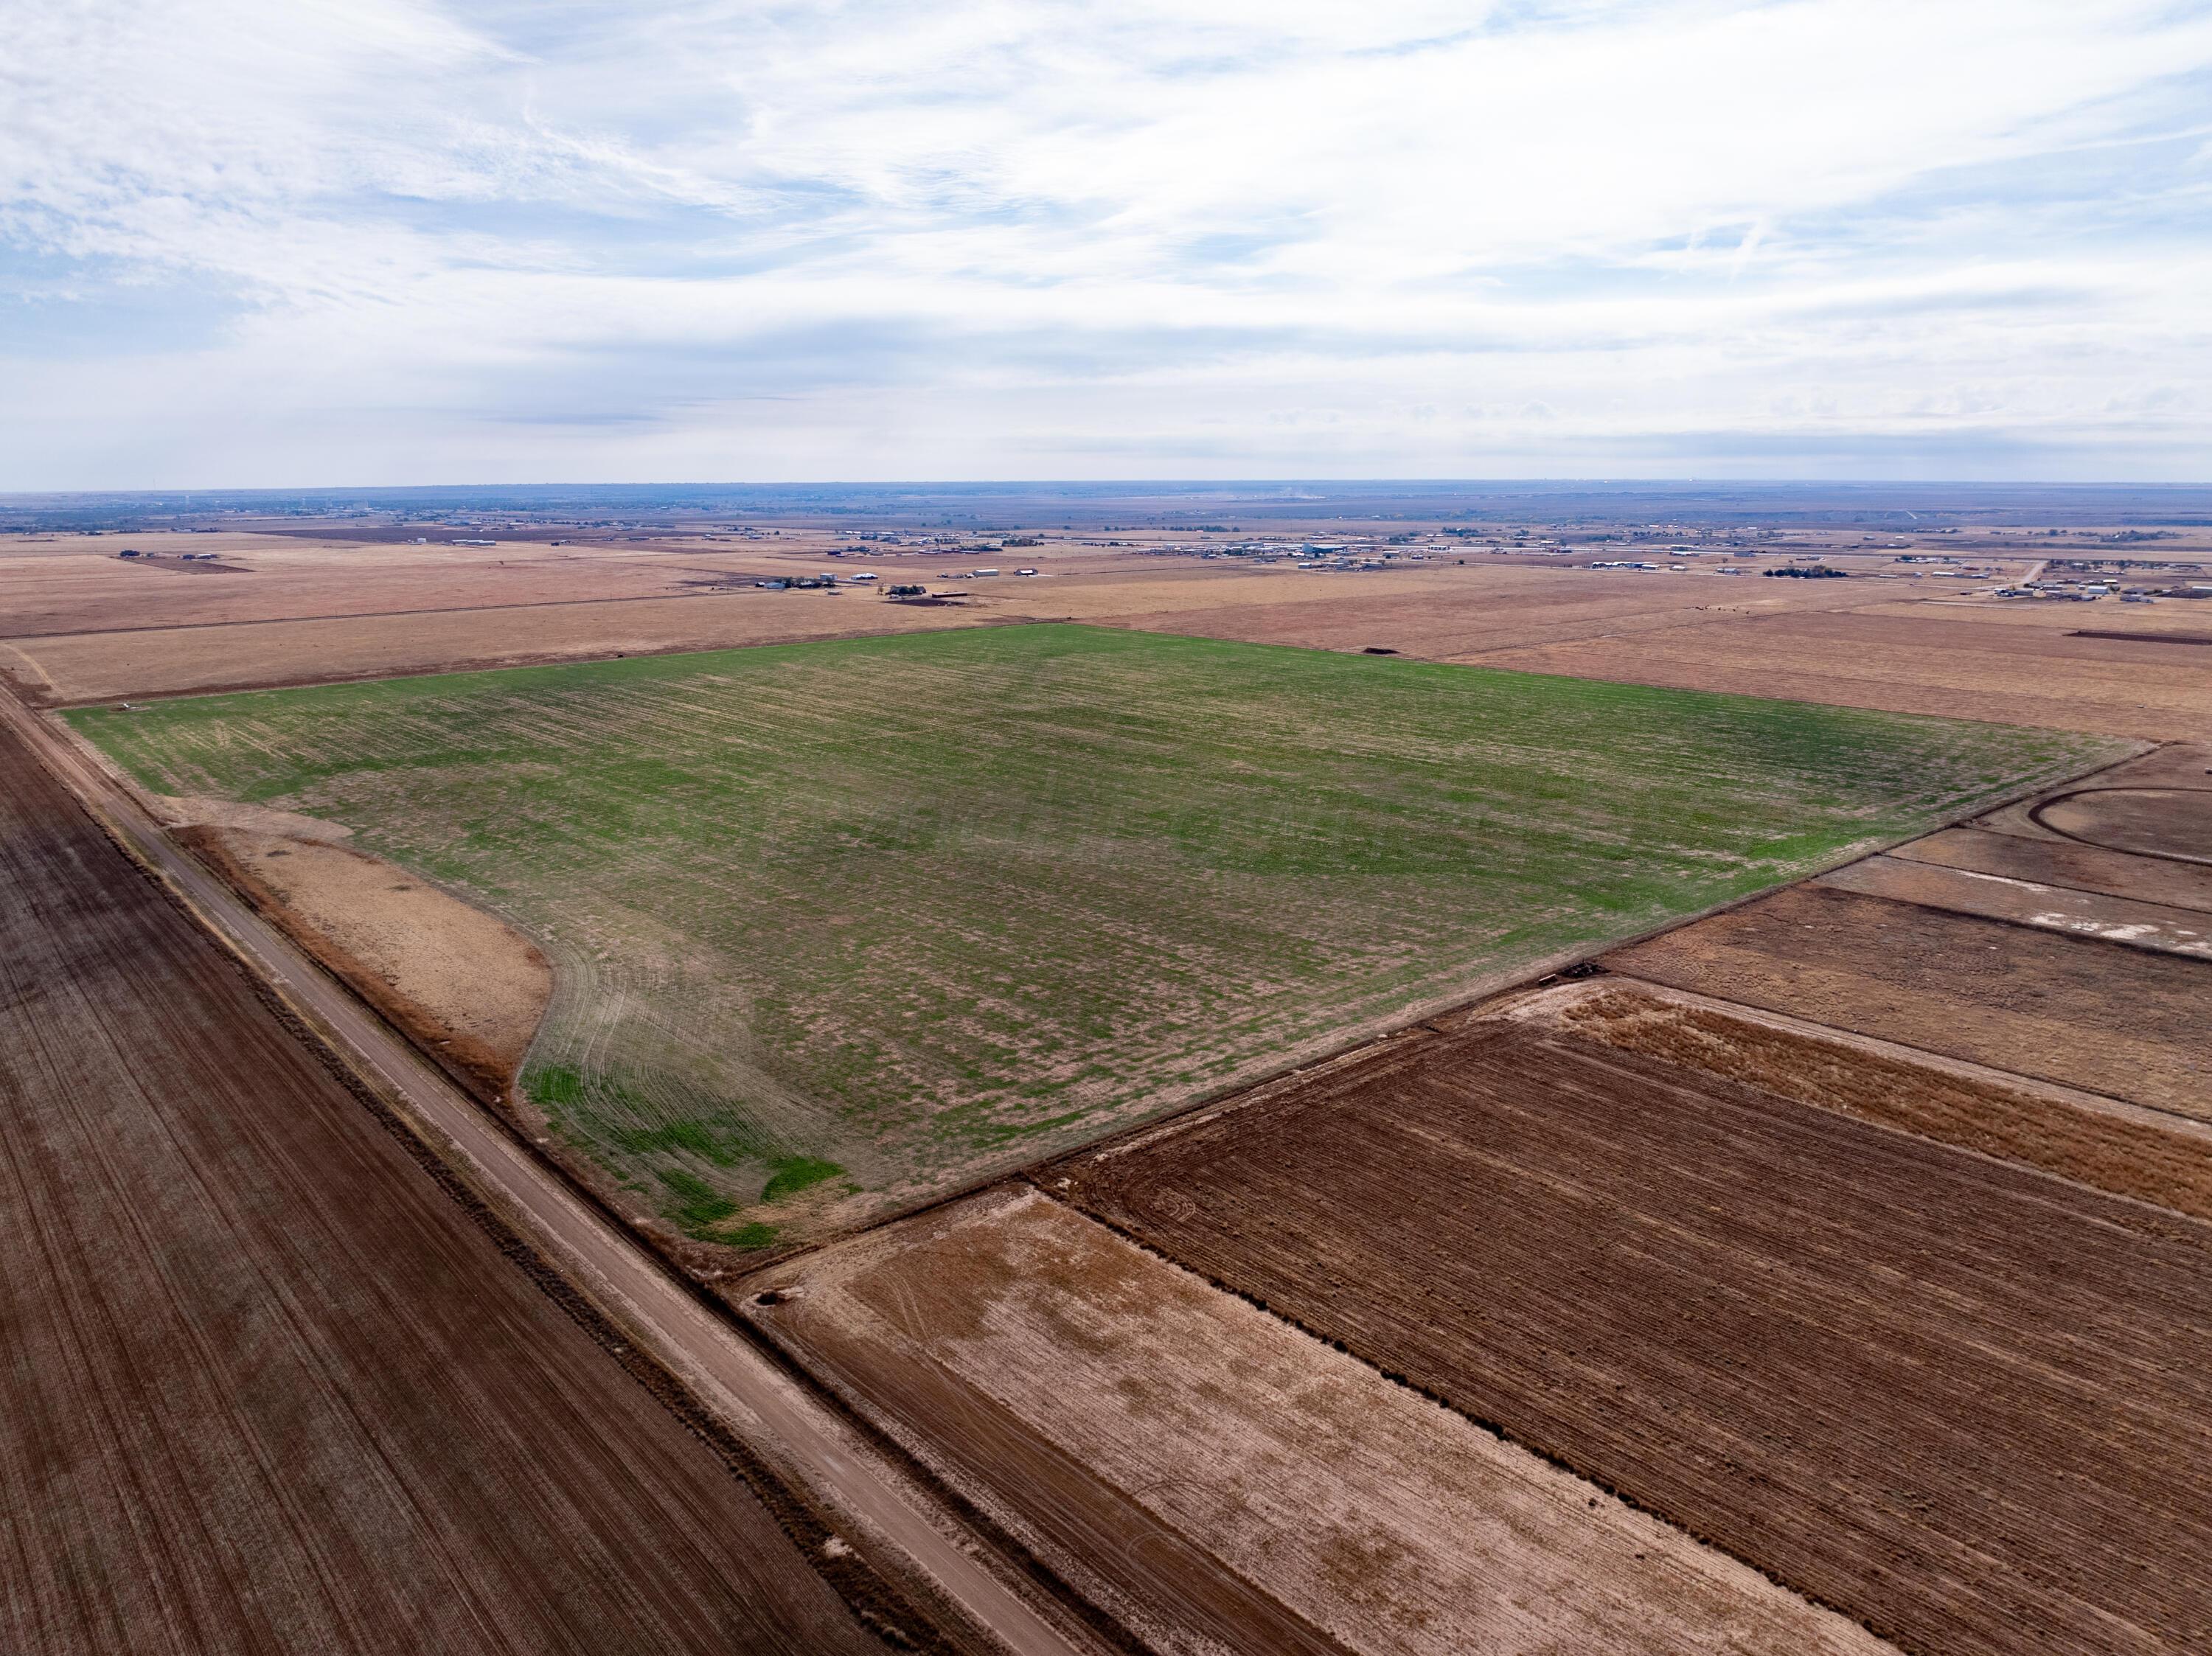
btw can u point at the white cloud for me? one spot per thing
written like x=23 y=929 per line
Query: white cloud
x=401 y=242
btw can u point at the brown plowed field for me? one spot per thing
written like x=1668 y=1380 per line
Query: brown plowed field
x=1280 y=1468
x=2060 y=862
x=2121 y=921
x=2132 y=1154
x=2121 y=1021
x=266 y=1387
x=1964 y=1401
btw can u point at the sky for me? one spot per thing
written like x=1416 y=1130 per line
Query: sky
x=350 y=242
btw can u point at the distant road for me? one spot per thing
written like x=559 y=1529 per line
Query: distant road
x=764 y=1406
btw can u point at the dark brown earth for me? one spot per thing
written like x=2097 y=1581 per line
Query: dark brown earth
x=2132 y=1154
x=1967 y=1402
x=2121 y=1021
x=267 y=1386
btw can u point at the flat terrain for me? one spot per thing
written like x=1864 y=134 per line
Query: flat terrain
x=2138 y=1153
x=465 y=985
x=2171 y=822
x=267 y=1388
x=2055 y=862
x=79 y=624
x=2075 y=1010
x=1225 y=1481
x=1956 y=1399
x=840 y=925
x=2020 y=664
x=2123 y=920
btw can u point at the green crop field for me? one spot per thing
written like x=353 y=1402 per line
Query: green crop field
x=840 y=925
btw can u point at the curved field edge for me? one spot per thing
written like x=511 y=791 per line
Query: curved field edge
x=838 y=926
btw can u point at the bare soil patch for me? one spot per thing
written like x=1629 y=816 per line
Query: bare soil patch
x=2060 y=862
x=2121 y=921
x=1951 y=1397
x=2173 y=822
x=2137 y=1155
x=2120 y=1021
x=462 y=983
x=268 y=1387
x=1369 y=1513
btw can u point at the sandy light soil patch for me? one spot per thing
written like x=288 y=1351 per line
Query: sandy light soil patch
x=2121 y=1021
x=462 y=983
x=1371 y=1513
x=1954 y=1398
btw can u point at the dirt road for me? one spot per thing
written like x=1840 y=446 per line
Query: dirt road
x=893 y=1523
x=264 y=1388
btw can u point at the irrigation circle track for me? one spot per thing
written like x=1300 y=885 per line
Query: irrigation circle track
x=2170 y=822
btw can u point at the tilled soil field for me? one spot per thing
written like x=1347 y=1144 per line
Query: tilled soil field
x=267 y=1388
x=2079 y=1012
x=1967 y=1402
x=2063 y=863
x=2123 y=920
x=1262 y=1491
x=2130 y=1152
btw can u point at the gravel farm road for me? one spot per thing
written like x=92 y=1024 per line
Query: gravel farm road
x=796 y=1434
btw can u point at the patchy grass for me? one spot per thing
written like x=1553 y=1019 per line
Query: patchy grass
x=796 y=1173
x=927 y=906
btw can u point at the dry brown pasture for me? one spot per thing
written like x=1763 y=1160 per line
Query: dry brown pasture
x=1955 y=1398
x=268 y=1387
x=81 y=625
x=100 y=666
x=82 y=585
x=1221 y=1480
x=2017 y=664
x=2073 y=1010
x=464 y=985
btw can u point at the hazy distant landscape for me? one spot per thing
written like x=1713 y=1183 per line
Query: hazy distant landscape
x=1019 y=830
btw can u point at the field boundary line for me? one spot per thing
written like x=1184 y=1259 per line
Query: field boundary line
x=873 y=1598
x=2080 y=1098
x=1550 y=1458
x=870 y=1591
x=2089 y=1103
x=1464 y=1003
x=503 y=664
x=369 y=615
